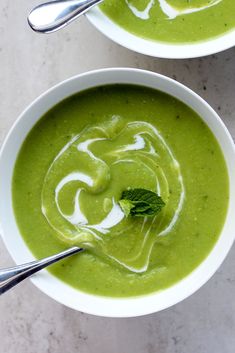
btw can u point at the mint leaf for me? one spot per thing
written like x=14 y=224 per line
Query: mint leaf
x=126 y=206
x=141 y=203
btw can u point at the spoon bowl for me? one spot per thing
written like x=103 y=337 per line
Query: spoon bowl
x=53 y=15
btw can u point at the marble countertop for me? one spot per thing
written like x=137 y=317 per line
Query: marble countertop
x=31 y=322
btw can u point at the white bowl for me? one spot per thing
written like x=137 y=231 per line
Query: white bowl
x=156 y=48
x=53 y=287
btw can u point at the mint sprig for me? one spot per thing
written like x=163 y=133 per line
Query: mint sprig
x=141 y=203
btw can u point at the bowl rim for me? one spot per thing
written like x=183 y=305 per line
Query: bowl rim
x=156 y=48
x=55 y=288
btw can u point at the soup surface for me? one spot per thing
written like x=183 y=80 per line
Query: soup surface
x=78 y=159
x=173 y=20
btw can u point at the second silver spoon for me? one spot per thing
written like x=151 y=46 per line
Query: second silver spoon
x=53 y=15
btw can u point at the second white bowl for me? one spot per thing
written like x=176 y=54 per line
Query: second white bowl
x=156 y=48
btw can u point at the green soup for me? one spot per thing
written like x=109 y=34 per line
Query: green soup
x=79 y=158
x=173 y=20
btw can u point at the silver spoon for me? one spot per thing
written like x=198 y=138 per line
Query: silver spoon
x=9 y=277
x=53 y=15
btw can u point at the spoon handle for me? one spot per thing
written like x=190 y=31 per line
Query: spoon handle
x=53 y=15
x=9 y=277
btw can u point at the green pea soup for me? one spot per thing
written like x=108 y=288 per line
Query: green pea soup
x=78 y=159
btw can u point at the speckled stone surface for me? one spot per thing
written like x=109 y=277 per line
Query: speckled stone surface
x=31 y=322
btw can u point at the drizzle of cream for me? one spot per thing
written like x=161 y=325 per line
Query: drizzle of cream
x=145 y=266
x=139 y=144
x=180 y=178
x=178 y=210
x=170 y=11
x=84 y=146
x=77 y=217
x=144 y=14
x=115 y=216
x=65 y=147
x=75 y=176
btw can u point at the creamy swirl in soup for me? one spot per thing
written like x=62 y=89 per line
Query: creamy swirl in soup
x=93 y=169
